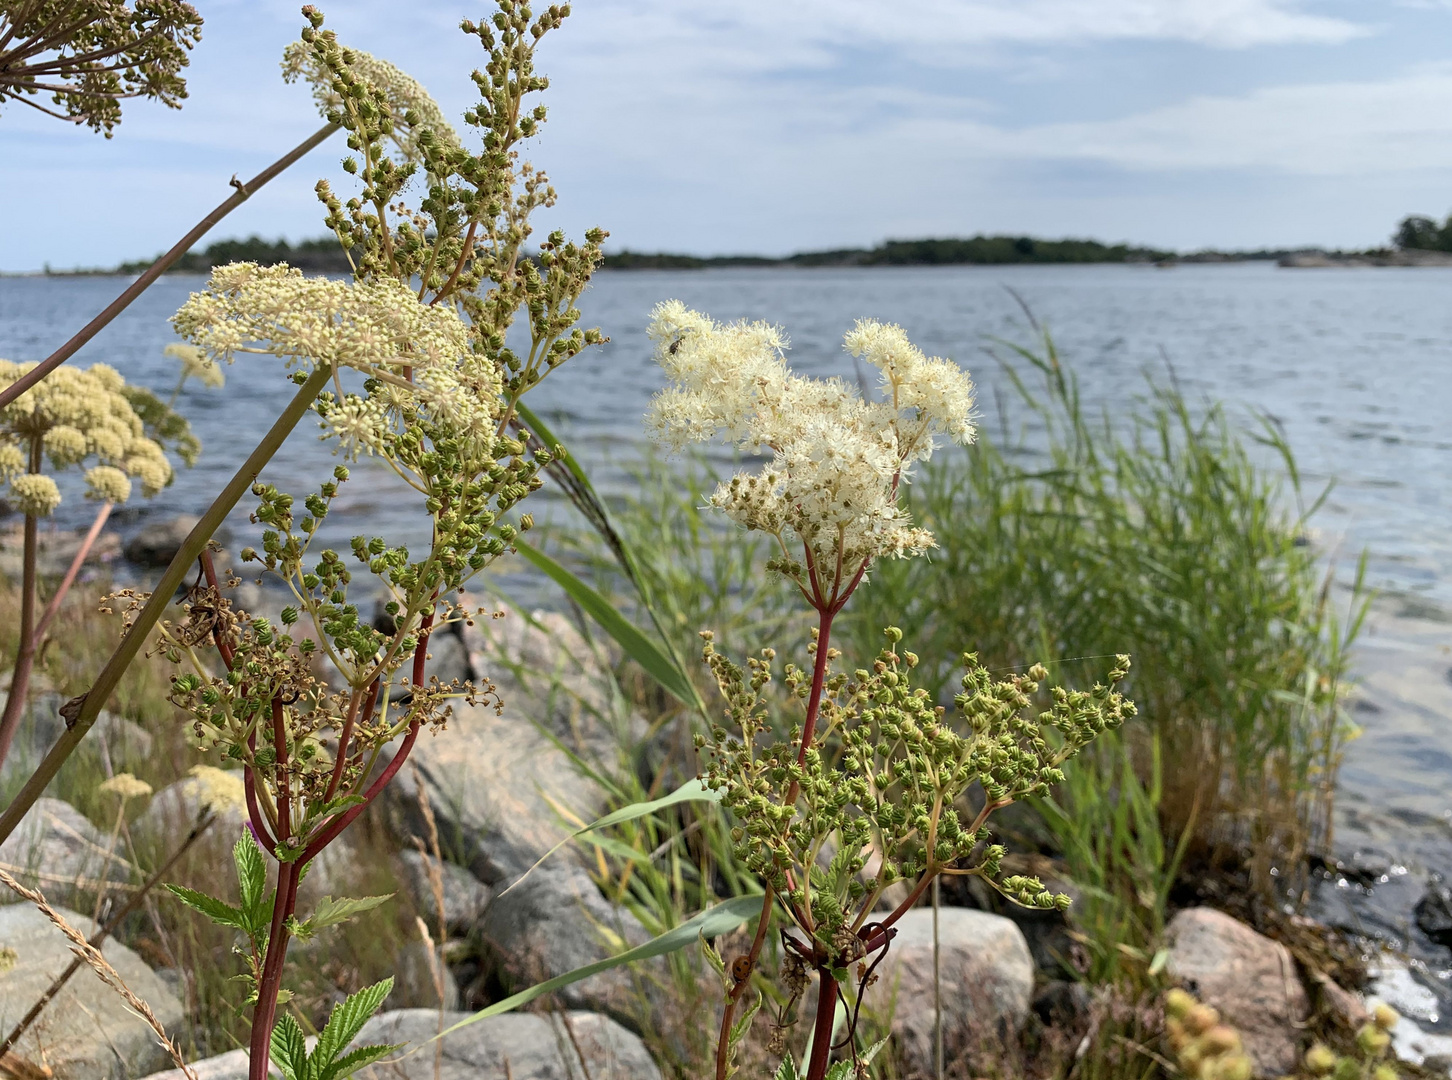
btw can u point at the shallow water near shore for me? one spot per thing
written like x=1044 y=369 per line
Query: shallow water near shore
x=1354 y=366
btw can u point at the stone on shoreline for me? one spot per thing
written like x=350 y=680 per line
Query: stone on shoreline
x=1251 y=979
x=87 y=1032
x=987 y=981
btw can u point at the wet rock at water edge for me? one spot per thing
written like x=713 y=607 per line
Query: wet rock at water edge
x=1251 y=979
x=987 y=980
x=88 y=1032
x=1434 y=912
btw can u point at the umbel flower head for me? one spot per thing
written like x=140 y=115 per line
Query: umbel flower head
x=837 y=460
x=378 y=328
x=71 y=416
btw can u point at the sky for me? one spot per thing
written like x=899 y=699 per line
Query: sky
x=773 y=126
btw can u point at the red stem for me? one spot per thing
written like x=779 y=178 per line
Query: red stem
x=347 y=734
x=25 y=657
x=822 y=1030
x=282 y=782
x=264 y=1014
x=70 y=579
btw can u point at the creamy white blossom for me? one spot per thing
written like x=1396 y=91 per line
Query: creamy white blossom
x=404 y=93
x=418 y=354
x=34 y=494
x=196 y=364
x=837 y=461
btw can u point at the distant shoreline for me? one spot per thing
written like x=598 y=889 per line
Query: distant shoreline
x=323 y=255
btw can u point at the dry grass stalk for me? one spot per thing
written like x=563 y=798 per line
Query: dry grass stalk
x=104 y=971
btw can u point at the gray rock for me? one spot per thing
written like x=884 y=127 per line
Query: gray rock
x=465 y=896
x=56 y=550
x=515 y=1046
x=87 y=1032
x=56 y=850
x=987 y=982
x=157 y=543
x=114 y=738
x=518 y=1046
x=555 y=921
x=1251 y=979
x=499 y=784
x=413 y=980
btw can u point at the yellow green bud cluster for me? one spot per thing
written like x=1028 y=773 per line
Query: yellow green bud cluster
x=1204 y=1047
x=1373 y=1041
x=891 y=780
x=72 y=416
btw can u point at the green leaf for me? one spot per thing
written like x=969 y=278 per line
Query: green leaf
x=345 y=1021
x=354 y=1060
x=640 y=648
x=289 y=1051
x=330 y=912
x=788 y=1069
x=690 y=791
x=219 y=912
x=251 y=881
x=713 y=922
x=547 y=437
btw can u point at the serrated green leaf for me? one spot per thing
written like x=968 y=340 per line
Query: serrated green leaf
x=640 y=648
x=713 y=922
x=330 y=912
x=251 y=882
x=788 y=1069
x=354 y=1060
x=873 y=1051
x=714 y=957
x=218 y=911
x=690 y=791
x=289 y=1051
x=842 y=1070
x=742 y=1026
x=345 y=1021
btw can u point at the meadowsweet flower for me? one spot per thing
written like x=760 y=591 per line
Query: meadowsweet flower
x=836 y=460
x=403 y=92
x=34 y=494
x=418 y=355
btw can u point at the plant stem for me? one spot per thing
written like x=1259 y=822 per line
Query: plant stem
x=81 y=713
x=141 y=284
x=52 y=608
x=106 y=931
x=822 y=1031
x=264 y=1014
x=25 y=656
x=723 y=1041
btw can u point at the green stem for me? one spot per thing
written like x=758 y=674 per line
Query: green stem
x=81 y=712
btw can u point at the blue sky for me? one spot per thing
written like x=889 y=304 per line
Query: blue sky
x=772 y=126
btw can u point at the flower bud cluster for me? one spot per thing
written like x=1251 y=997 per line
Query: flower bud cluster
x=1205 y=1048
x=886 y=776
x=1373 y=1042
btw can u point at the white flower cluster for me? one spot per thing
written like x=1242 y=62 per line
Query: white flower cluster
x=419 y=355
x=72 y=415
x=404 y=93
x=837 y=460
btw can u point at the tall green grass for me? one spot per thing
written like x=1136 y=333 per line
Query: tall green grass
x=1168 y=531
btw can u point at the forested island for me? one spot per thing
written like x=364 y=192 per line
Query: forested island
x=1413 y=242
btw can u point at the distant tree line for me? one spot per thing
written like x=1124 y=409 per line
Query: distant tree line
x=323 y=255
x=983 y=250
x=1423 y=233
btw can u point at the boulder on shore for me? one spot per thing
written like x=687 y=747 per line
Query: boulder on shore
x=60 y=853
x=1248 y=977
x=87 y=1032
x=514 y=1046
x=987 y=981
